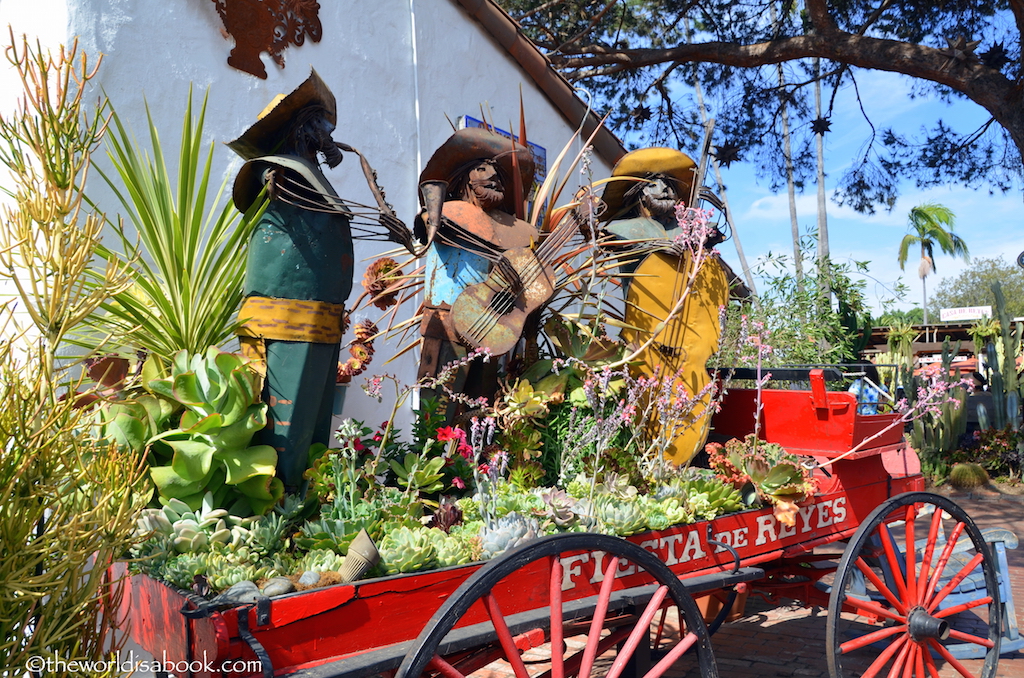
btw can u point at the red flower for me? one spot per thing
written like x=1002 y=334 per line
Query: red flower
x=446 y=433
x=465 y=450
x=484 y=468
x=459 y=482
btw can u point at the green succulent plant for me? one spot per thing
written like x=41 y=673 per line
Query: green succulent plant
x=222 y=568
x=182 y=570
x=210 y=447
x=418 y=474
x=176 y=526
x=269 y=535
x=618 y=517
x=470 y=509
x=658 y=520
x=221 y=578
x=336 y=534
x=319 y=560
x=559 y=508
x=507 y=499
x=506 y=533
x=677 y=511
x=133 y=423
x=452 y=549
x=716 y=498
x=408 y=550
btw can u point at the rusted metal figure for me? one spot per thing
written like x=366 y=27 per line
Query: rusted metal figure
x=299 y=270
x=477 y=268
x=667 y=297
x=267 y=26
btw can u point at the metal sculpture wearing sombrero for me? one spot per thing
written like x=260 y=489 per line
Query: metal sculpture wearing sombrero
x=478 y=290
x=300 y=267
x=641 y=216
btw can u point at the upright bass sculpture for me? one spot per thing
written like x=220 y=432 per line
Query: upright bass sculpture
x=672 y=303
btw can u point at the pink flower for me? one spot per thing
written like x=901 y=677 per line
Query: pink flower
x=484 y=468
x=459 y=482
x=465 y=450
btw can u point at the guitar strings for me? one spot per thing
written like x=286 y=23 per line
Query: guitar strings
x=486 y=322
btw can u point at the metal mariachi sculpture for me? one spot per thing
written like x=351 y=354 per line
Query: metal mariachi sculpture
x=482 y=277
x=645 y=211
x=300 y=267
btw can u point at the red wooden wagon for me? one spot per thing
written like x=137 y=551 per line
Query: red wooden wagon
x=592 y=595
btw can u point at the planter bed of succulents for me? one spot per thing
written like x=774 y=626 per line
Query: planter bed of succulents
x=401 y=504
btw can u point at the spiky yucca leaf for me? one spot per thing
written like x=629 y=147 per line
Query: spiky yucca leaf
x=187 y=253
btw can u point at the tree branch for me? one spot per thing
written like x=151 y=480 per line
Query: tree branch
x=593 y=22
x=983 y=85
x=537 y=10
x=1017 y=7
x=874 y=16
x=822 y=21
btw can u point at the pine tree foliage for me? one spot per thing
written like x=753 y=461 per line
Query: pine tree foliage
x=640 y=59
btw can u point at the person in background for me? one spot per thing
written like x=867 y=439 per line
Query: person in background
x=867 y=388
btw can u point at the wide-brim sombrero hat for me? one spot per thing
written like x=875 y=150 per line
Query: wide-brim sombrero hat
x=271 y=128
x=642 y=163
x=473 y=144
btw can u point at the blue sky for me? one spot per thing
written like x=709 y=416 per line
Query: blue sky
x=990 y=224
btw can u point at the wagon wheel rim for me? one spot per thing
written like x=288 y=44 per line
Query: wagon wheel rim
x=918 y=628
x=430 y=649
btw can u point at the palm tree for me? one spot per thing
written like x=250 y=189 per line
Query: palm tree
x=928 y=224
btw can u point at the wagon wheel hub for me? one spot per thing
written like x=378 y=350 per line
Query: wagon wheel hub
x=922 y=625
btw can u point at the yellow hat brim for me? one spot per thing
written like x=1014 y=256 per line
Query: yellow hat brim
x=265 y=136
x=643 y=162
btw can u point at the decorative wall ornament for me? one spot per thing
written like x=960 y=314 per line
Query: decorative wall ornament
x=267 y=26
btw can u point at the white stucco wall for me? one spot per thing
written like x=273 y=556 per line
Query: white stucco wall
x=393 y=92
x=45 y=21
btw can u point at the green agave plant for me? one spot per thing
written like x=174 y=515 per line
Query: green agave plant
x=187 y=263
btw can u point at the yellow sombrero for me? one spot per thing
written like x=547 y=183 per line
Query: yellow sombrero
x=264 y=137
x=643 y=162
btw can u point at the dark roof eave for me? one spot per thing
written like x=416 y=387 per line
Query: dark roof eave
x=506 y=32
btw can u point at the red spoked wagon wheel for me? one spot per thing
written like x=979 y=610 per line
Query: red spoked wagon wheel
x=627 y=587
x=908 y=592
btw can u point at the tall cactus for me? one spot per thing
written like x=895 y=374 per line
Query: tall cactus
x=1004 y=385
x=997 y=387
x=935 y=436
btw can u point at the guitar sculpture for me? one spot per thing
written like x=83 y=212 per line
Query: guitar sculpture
x=491 y=314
